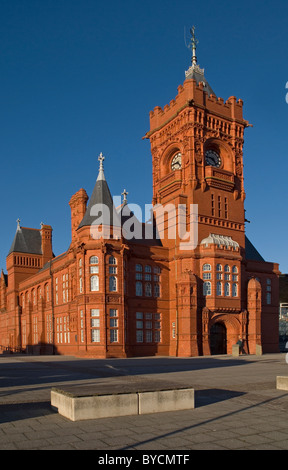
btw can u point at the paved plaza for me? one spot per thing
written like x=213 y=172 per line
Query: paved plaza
x=237 y=405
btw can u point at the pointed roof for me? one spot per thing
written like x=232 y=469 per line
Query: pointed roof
x=26 y=240
x=195 y=72
x=101 y=202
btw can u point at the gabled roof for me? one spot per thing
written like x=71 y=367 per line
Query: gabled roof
x=27 y=240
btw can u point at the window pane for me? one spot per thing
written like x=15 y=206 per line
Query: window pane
x=139 y=315
x=139 y=336
x=148 y=269
x=94 y=283
x=113 y=322
x=206 y=267
x=95 y=322
x=139 y=290
x=148 y=289
x=227 y=289
x=94 y=260
x=207 y=288
x=219 y=267
x=112 y=284
x=94 y=270
x=138 y=267
x=95 y=336
x=95 y=312
x=113 y=312
x=113 y=336
x=112 y=260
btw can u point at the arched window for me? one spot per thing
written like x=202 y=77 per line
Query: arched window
x=227 y=289
x=219 y=288
x=94 y=283
x=94 y=260
x=139 y=289
x=112 y=284
x=148 y=289
x=234 y=269
x=148 y=269
x=219 y=267
x=234 y=290
x=207 y=288
x=112 y=260
x=227 y=268
x=138 y=268
x=206 y=267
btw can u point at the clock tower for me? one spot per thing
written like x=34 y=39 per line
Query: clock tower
x=197 y=153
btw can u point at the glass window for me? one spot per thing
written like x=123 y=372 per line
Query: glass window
x=94 y=260
x=112 y=260
x=148 y=289
x=148 y=269
x=268 y=298
x=139 y=336
x=139 y=289
x=227 y=289
x=95 y=312
x=227 y=268
x=114 y=336
x=94 y=283
x=94 y=269
x=207 y=276
x=112 y=269
x=234 y=290
x=138 y=267
x=207 y=288
x=234 y=269
x=95 y=336
x=219 y=288
x=112 y=284
x=139 y=315
x=206 y=267
x=156 y=290
x=219 y=267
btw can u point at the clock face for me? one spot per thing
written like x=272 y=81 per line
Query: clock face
x=212 y=158
x=176 y=163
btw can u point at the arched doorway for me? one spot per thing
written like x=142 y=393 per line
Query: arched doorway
x=218 y=339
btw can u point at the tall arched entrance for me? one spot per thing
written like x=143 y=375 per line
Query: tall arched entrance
x=218 y=339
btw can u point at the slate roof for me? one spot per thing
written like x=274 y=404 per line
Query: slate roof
x=196 y=73
x=251 y=252
x=100 y=198
x=27 y=240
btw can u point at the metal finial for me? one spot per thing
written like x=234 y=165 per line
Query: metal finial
x=101 y=159
x=194 y=43
x=18 y=223
x=124 y=194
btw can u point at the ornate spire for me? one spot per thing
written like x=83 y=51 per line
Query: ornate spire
x=101 y=175
x=18 y=224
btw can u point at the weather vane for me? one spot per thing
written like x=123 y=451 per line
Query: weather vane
x=194 y=43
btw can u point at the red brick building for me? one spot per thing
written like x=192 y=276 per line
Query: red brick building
x=113 y=296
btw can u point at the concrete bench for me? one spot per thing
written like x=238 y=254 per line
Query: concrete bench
x=82 y=403
x=282 y=383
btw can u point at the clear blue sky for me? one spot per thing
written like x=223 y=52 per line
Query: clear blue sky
x=79 y=77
